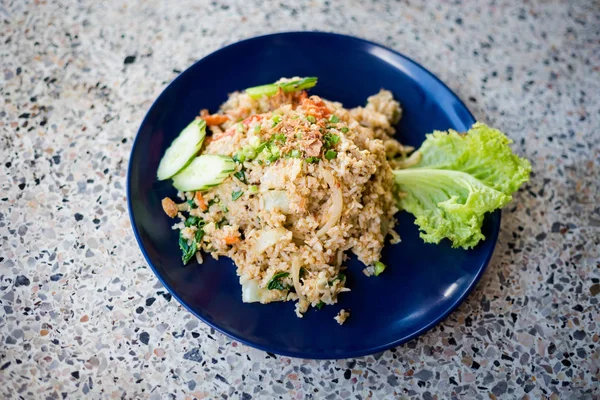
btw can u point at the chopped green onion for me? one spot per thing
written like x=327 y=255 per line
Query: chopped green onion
x=253 y=189
x=311 y=119
x=239 y=157
x=276 y=120
x=345 y=129
x=261 y=147
x=295 y=153
x=191 y=203
x=279 y=137
x=240 y=127
x=320 y=304
x=334 y=119
x=254 y=141
x=236 y=194
x=330 y=140
x=379 y=268
x=241 y=176
x=312 y=160
x=257 y=129
x=330 y=154
x=249 y=152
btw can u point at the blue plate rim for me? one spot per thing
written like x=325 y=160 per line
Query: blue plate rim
x=350 y=354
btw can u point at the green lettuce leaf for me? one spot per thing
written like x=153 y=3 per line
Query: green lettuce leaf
x=459 y=178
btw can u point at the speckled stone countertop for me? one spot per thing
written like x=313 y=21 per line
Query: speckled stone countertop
x=81 y=312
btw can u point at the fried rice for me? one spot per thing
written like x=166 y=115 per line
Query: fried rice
x=313 y=181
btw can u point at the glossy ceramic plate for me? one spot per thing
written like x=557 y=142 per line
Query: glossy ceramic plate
x=423 y=282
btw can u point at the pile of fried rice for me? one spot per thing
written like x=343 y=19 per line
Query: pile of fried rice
x=313 y=181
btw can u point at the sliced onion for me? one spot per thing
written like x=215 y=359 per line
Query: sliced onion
x=340 y=257
x=335 y=211
x=276 y=199
x=268 y=238
x=296 y=265
x=251 y=290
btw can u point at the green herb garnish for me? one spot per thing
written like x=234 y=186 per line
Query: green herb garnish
x=279 y=137
x=275 y=282
x=334 y=119
x=276 y=120
x=379 y=268
x=330 y=154
x=253 y=189
x=295 y=153
x=320 y=304
x=340 y=277
x=302 y=273
x=312 y=160
x=241 y=176
x=199 y=235
x=239 y=157
x=311 y=119
x=261 y=147
x=330 y=140
x=192 y=221
x=187 y=251
x=345 y=129
x=236 y=194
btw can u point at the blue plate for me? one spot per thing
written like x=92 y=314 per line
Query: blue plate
x=423 y=282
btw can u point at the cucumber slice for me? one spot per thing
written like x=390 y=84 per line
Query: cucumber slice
x=182 y=150
x=257 y=92
x=204 y=172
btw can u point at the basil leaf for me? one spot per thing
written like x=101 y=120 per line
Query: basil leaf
x=192 y=221
x=275 y=282
x=187 y=251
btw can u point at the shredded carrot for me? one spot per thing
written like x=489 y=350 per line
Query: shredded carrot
x=214 y=119
x=232 y=239
x=256 y=117
x=199 y=200
x=229 y=132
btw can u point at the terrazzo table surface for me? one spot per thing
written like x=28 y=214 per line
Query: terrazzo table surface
x=83 y=314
